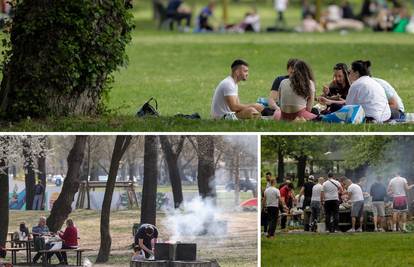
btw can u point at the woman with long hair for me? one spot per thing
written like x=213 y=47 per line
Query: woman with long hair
x=368 y=93
x=296 y=94
x=335 y=94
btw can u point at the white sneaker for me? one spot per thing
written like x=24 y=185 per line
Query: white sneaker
x=230 y=116
x=352 y=230
x=359 y=230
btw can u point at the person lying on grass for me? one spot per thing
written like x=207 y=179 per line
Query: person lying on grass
x=296 y=94
x=226 y=103
x=334 y=95
x=368 y=93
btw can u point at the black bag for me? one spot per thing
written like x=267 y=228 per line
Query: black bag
x=148 y=110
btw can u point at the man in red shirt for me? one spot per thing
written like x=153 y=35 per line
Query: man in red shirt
x=286 y=197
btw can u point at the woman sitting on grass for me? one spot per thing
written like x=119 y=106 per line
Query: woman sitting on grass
x=368 y=93
x=296 y=94
x=335 y=94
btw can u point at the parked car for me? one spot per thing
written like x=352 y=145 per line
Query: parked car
x=246 y=184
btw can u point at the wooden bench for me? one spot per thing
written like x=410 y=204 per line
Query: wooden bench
x=14 y=254
x=79 y=251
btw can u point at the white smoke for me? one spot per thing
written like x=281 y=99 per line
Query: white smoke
x=197 y=217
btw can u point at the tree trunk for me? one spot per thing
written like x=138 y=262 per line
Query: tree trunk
x=172 y=161
x=121 y=144
x=62 y=206
x=4 y=202
x=149 y=188
x=280 y=165
x=41 y=165
x=205 y=173
x=30 y=176
x=301 y=167
x=237 y=180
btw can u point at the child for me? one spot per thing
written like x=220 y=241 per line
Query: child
x=138 y=254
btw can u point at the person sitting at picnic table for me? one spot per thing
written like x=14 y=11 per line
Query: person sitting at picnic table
x=177 y=11
x=368 y=93
x=334 y=95
x=69 y=238
x=226 y=103
x=40 y=230
x=146 y=237
x=296 y=94
x=274 y=91
x=203 y=17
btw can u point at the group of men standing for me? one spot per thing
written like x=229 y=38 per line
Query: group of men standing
x=328 y=194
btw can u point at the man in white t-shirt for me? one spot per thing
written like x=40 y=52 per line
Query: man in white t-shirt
x=398 y=188
x=357 y=199
x=369 y=94
x=394 y=100
x=330 y=199
x=271 y=203
x=316 y=203
x=226 y=102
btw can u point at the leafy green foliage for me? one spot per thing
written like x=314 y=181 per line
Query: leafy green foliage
x=59 y=51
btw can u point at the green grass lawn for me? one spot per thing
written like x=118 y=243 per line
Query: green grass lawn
x=334 y=250
x=181 y=70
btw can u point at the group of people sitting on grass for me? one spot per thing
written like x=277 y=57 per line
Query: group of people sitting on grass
x=325 y=196
x=41 y=234
x=293 y=96
x=375 y=14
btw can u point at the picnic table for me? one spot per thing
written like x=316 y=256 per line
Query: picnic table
x=79 y=251
x=20 y=245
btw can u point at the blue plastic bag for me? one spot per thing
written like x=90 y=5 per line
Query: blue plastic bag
x=353 y=114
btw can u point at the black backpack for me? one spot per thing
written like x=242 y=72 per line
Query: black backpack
x=148 y=110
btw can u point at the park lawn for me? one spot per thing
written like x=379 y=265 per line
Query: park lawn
x=181 y=70
x=230 y=251
x=123 y=123
x=334 y=250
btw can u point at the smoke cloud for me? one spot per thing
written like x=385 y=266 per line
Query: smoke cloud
x=197 y=217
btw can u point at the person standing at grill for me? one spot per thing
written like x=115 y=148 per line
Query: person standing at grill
x=398 y=189
x=306 y=191
x=357 y=199
x=316 y=203
x=330 y=200
x=286 y=197
x=271 y=202
x=378 y=192
x=146 y=237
